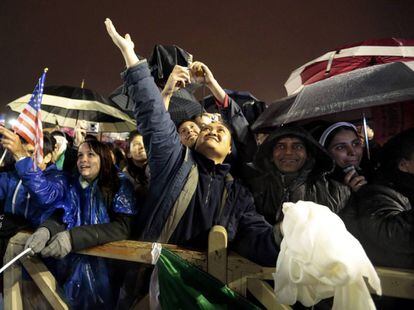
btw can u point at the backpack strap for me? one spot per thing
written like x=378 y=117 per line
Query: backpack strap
x=180 y=205
x=229 y=178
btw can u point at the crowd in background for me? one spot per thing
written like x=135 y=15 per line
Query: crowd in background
x=179 y=176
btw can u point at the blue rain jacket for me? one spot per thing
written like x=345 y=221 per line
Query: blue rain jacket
x=33 y=195
x=86 y=279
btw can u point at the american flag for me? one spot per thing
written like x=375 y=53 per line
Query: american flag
x=29 y=123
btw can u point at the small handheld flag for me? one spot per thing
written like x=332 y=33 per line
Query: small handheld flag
x=29 y=123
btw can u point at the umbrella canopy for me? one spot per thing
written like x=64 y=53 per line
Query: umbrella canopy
x=350 y=57
x=250 y=105
x=183 y=104
x=358 y=89
x=163 y=60
x=67 y=105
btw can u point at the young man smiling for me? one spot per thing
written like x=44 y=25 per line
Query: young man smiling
x=190 y=191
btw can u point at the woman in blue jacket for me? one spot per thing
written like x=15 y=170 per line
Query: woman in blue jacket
x=101 y=206
x=29 y=193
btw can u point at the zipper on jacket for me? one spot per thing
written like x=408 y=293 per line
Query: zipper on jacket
x=19 y=184
x=209 y=188
x=26 y=211
x=208 y=191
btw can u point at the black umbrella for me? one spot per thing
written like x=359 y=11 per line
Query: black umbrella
x=67 y=105
x=249 y=104
x=163 y=60
x=183 y=104
x=359 y=89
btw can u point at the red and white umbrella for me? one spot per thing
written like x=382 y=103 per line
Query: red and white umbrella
x=350 y=57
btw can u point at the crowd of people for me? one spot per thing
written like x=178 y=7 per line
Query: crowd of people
x=178 y=179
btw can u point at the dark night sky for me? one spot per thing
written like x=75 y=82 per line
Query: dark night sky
x=249 y=45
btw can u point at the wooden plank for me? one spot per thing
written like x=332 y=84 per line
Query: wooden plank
x=45 y=281
x=12 y=280
x=264 y=293
x=217 y=253
x=396 y=282
x=130 y=250
x=137 y=251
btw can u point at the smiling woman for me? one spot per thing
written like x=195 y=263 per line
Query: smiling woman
x=342 y=142
x=100 y=208
x=89 y=163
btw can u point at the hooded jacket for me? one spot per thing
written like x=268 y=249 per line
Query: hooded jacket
x=384 y=220
x=270 y=188
x=170 y=164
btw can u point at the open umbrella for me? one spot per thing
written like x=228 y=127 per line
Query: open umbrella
x=358 y=89
x=250 y=105
x=183 y=104
x=67 y=105
x=350 y=57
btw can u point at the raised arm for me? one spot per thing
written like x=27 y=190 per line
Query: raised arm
x=200 y=73
x=125 y=44
x=230 y=112
x=161 y=139
x=178 y=78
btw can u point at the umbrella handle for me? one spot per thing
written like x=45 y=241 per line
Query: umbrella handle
x=364 y=123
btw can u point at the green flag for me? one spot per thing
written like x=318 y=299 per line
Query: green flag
x=182 y=285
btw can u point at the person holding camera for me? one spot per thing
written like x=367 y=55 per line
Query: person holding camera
x=344 y=145
x=190 y=191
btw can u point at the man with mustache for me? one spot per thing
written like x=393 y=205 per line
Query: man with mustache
x=291 y=166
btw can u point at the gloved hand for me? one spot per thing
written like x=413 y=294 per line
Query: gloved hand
x=38 y=240
x=59 y=246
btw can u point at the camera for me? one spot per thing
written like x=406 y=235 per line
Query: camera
x=349 y=168
x=93 y=127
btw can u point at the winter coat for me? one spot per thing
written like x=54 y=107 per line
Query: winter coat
x=270 y=190
x=170 y=164
x=32 y=195
x=243 y=138
x=384 y=220
x=92 y=222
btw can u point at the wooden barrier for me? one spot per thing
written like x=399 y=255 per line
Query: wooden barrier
x=237 y=272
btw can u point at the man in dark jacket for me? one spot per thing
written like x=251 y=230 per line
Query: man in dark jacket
x=190 y=191
x=290 y=166
x=385 y=218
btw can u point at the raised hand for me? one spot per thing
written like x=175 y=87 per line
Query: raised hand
x=11 y=142
x=200 y=73
x=178 y=78
x=125 y=44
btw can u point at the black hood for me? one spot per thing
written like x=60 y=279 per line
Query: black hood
x=323 y=162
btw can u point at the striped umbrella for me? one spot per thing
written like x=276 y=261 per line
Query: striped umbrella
x=348 y=58
x=67 y=105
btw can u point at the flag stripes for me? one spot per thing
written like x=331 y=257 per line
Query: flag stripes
x=29 y=122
